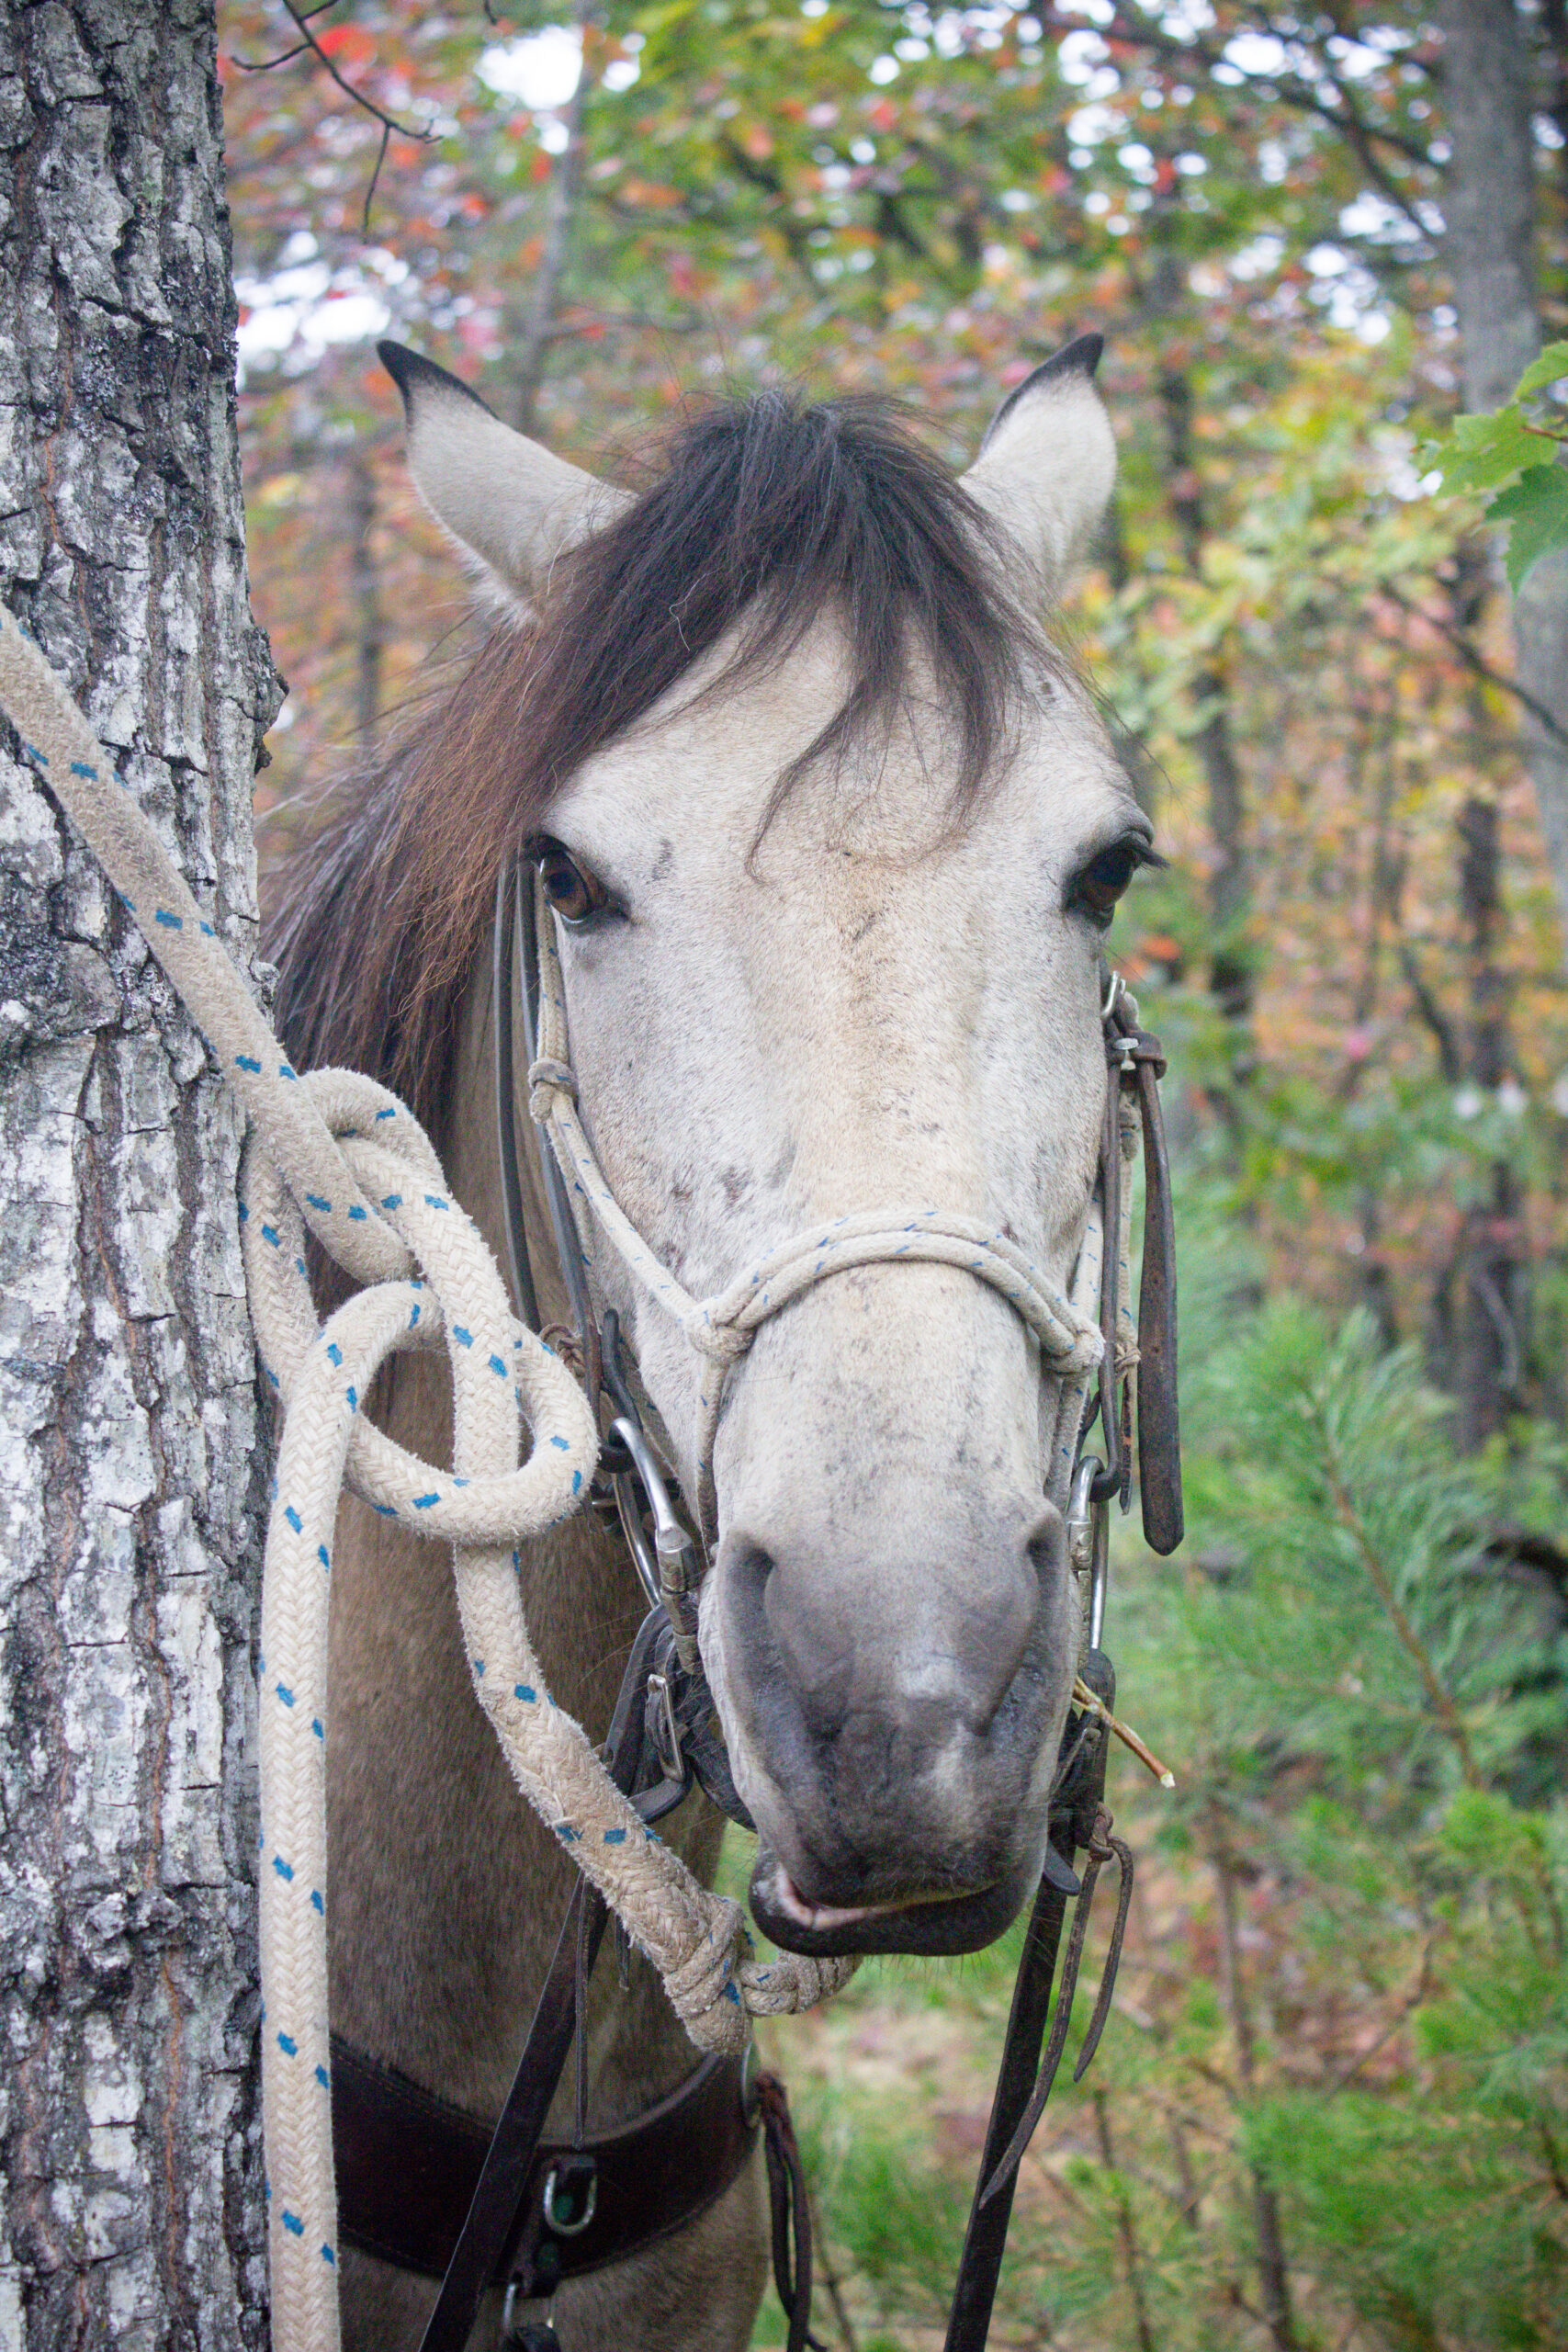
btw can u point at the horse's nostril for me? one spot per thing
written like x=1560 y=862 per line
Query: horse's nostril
x=753 y=1565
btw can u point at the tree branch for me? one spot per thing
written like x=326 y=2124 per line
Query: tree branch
x=1477 y=663
x=1362 y=136
x=1350 y=1519
x=301 y=18
x=267 y=64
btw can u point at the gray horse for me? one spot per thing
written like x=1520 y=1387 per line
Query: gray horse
x=832 y=836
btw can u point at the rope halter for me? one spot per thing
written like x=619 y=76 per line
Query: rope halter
x=721 y=1328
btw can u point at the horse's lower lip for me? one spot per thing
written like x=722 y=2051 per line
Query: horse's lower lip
x=937 y=1921
x=819 y=1916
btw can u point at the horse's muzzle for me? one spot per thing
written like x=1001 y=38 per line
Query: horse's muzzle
x=890 y=1732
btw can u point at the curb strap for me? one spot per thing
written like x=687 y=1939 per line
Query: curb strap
x=1102 y=1846
x=790 y=2210
x=1078 y=1818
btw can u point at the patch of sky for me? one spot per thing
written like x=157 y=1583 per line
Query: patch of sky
x=1089 y=125
x=1373 y=221
x=1080 y=56
x=540 y=69
x=1257 y=53
x=1186 y=22
x=881 y=69
x=1137 y=160
x=1258 y=256
x=306 y=304
x=1355 y=57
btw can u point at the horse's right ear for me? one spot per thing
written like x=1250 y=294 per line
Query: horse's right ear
x=508 y=503
x=1047 y=464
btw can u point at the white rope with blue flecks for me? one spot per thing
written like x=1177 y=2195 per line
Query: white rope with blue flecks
x=377 y=1203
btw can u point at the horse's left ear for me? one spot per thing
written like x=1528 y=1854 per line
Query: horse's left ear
x=1048 y=462
x=504 y=499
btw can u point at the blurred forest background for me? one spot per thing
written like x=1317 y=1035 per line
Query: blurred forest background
x=1333 y=2108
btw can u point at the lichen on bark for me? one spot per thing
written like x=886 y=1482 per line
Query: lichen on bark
x=132 y=1470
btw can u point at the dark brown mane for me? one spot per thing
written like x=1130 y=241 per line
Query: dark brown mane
x=769 y=512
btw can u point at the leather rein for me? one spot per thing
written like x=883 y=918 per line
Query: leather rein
x=431 y=2189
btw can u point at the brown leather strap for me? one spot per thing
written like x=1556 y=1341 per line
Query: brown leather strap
x=407 y=2164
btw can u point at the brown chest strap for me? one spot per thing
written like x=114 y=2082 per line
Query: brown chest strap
x=408 y=2164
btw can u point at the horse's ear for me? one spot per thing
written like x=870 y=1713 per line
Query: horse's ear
x=1048 y=462
x=507 y=500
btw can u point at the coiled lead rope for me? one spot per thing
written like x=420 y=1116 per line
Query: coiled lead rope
x=339 y=1153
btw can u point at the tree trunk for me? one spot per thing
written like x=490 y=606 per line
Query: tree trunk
x=1231 y=977
x=1488 y=1303
x=532 y=346
x=133 y=1476
x=1273 y=2268
x=1490 y=204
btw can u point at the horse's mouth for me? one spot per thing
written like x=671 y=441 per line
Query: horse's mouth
x=936 y=1922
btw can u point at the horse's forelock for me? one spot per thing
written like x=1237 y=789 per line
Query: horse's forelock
x=767 y=512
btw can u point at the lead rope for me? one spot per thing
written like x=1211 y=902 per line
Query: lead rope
x=337 y=1152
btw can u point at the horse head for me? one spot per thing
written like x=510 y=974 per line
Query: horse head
x=832 y=836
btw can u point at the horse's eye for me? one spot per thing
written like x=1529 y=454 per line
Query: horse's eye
x=1095 y=890
x=575 y=895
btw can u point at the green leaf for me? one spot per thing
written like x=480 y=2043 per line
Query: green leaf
x=1482 y=452
x=1552 y=365
x=1536 y=509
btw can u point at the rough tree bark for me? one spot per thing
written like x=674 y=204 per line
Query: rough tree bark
x=131 y=1472
x=1490 y=206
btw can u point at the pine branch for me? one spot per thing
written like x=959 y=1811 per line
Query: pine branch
x=1350 y=1519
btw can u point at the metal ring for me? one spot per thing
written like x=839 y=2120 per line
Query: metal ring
x=553 y=2221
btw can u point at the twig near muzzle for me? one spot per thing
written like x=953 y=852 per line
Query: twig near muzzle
x=1123 y=1732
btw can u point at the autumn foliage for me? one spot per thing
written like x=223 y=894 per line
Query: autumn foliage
x=1356 y=956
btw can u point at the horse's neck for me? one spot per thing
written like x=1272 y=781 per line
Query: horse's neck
x=446 y=1891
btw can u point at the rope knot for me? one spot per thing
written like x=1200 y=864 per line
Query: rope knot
x=548 y=1078
x=722 y=1343
x=703 y=1988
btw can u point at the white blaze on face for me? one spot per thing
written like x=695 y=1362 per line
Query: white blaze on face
x=864 y=1008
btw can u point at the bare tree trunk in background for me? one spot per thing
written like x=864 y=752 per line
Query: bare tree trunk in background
x=560 y=222
x=1487 y=1305
x=1489 y=203
x=1230 y=887
x=1273 y=2269
x=133 y=1496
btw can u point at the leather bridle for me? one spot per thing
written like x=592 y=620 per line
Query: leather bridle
x=665 y=1734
